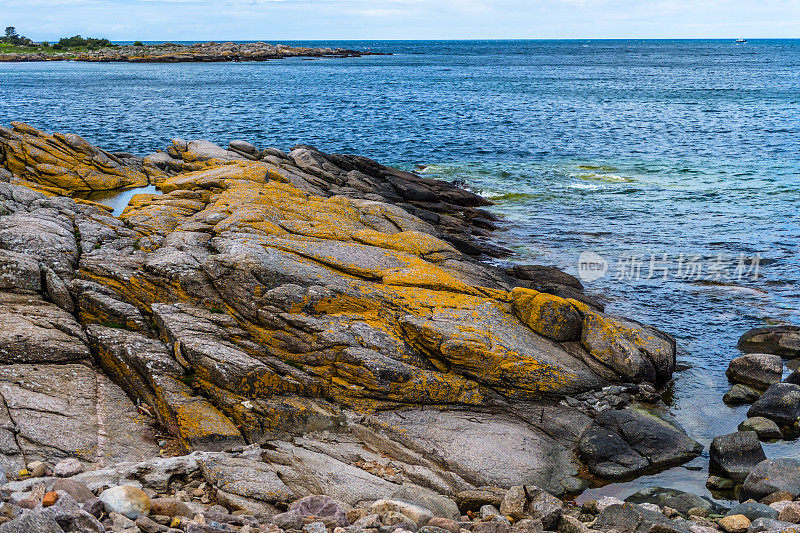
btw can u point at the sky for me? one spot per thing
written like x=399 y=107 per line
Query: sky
x=274 y=20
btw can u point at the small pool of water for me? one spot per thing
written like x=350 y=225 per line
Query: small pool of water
x=118 y=199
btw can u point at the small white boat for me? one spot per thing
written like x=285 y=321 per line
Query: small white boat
x=741 y=40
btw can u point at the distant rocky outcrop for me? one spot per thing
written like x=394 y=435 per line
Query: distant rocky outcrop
x=324 y=307
x=184 y=53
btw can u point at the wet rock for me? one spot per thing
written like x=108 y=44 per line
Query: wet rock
x=771 y=476
x=630 y=518
x=758 y=370
x=629 y=442
x=676 y=499
x=735 y=454
x=741 y=394
x=765 y=428
x=779 y=340
x=780 y=403
x=720 y=483
x=753 y=511
x=125 y=500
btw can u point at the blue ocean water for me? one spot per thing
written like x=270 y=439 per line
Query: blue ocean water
x=683 y=153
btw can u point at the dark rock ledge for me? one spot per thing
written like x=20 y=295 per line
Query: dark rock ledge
x=305 y=324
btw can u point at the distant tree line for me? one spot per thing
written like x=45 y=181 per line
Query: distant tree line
x=12 y=37
x=76 y=41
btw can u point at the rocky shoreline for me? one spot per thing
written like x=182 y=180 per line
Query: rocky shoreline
x=301 y=341
x=181 y=53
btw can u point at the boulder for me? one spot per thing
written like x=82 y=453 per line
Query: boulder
x=753 y=511
x=778 y=340
x=321 y=507
x=758 y=370
x=741 y=394
x=765 y=428
x=675 y=499
x=734 y=523
x=35 y=522
x=474 y=499
x=522 y=502
x=629 y=442
x=128 y=501
x=781 y=404
x=416 y=513
x=735 y=454
x=631 y=518
x=772 y=475
x=79 y=491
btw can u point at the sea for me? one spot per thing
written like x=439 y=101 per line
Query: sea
x=665 y=172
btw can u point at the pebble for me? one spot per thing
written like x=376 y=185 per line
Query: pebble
x=37 y=469
x=49 y=499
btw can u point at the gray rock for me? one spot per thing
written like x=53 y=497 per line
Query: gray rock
x=315 y=527
x=741 y=394
x=781 y=403
x=321 y=507
x=68 y=468
x=439 y=505
x=630 y=518
x=767 y=524
x=288 y=520
x=488 y=510
x=676 y=499
x=765 y=428
x=629 y=442
x=771 y=476
x=779 y=340
x=35 y=522
x=79 y=491
x=523 y=502
x=251 y=479
x=242 y=146
x=758 y=370
x=474 y=499
x=735 y=454
x=753 y=511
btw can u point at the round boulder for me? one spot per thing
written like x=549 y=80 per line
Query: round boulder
x=778 y=340
x=781 y=403
x=128 y=501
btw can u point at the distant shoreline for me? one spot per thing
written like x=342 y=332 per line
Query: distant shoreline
x=208 y=52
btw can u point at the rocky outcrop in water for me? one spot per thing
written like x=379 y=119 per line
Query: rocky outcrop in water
x=183 y=53
x=324 y=310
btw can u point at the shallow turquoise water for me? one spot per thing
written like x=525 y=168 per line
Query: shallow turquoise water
x=624 y=148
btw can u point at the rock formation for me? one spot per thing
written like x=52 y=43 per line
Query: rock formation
x=329 y=309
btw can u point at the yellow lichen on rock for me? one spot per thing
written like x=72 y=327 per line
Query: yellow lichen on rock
x=546 y=314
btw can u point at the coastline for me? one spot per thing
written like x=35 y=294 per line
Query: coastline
x=181 y=53
x=269 y=311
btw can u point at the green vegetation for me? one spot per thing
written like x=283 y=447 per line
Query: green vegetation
x=76 y=41
x=13 y=38
x=12 y=42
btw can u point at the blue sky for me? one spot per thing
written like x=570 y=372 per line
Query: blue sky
x=401 y=19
